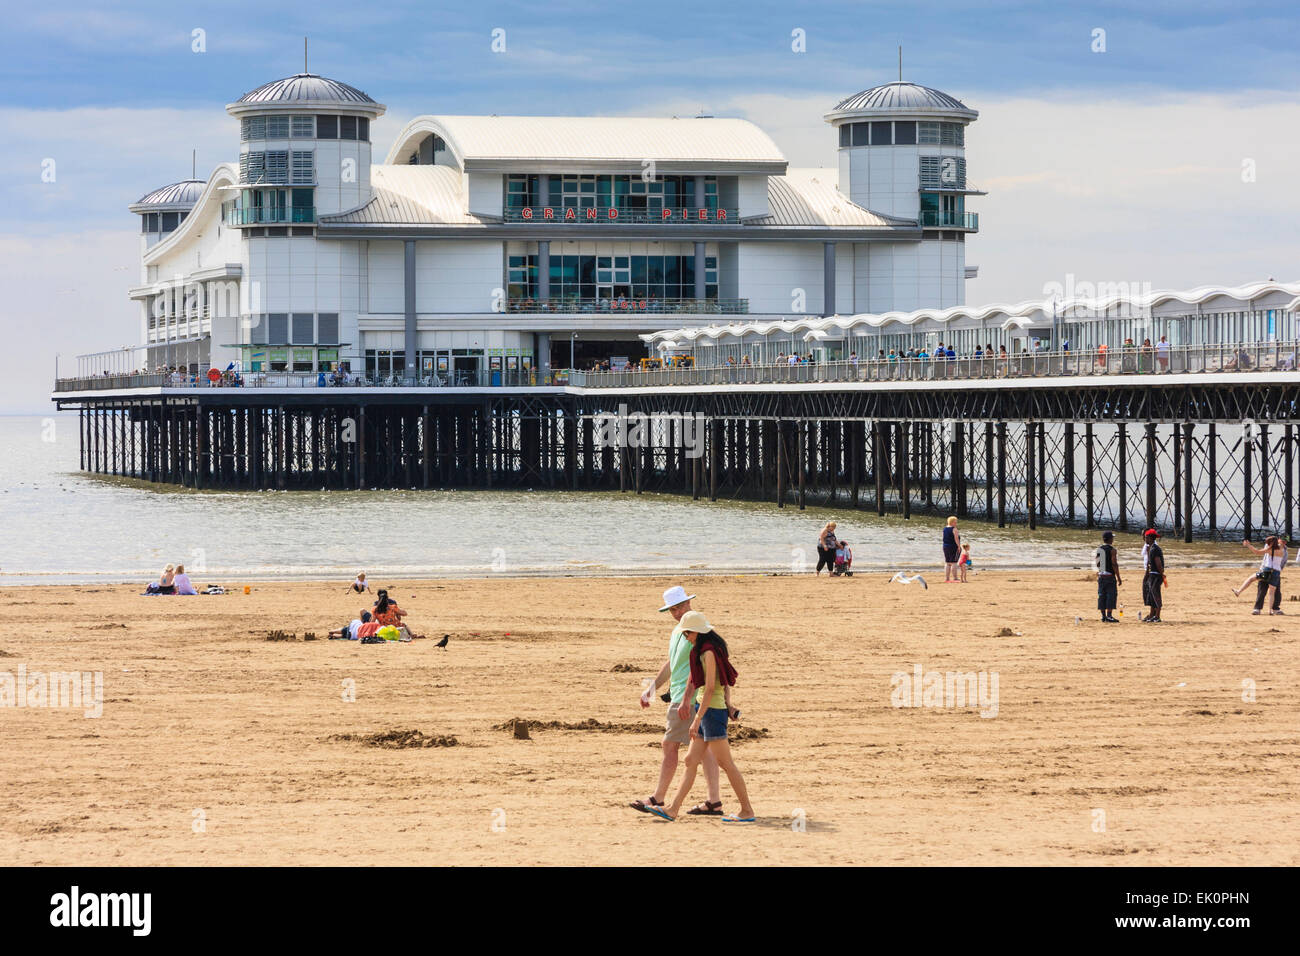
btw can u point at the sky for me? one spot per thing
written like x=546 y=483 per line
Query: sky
x=1152 y=143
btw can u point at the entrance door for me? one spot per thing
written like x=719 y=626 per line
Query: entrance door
x=466 y=368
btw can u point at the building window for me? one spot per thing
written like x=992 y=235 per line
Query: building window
x=941 y=134
x=905 y=133
x=882 y=133
x=861 y=134
x=303 y=328
x=252 y=127
x=363 y=129
x=327 y=127
x=327 y=328
x=277 y=328
x=943 y=172
x=169 y=221
x=303 y=169
x=277 y=127
x=347 y=127
x=303 y=127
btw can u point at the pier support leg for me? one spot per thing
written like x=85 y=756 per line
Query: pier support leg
x=1031 y=483
x=1069 y=472
x=1088 y=465
x=1002 y=474
x=1151 y=475
x=1187 y=481
x=1123 y=477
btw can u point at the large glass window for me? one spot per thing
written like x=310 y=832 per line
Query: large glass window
x=303 y=127
x=905 y=133
x=882 y=133
x=277 y=127
x=327 y=127
x=625 y=193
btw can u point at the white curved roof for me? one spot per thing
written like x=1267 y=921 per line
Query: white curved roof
x=423 y=195
x=488 y=141
x=808 y=197
x=209 y=200
x=1021 y=314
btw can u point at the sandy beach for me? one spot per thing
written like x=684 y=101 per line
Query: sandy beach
x=1128 y=744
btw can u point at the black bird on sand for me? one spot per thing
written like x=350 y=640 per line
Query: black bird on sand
x=443 y=643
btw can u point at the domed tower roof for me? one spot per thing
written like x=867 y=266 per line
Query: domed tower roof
x=305 y=91
x=178 y=197
x=898 y=99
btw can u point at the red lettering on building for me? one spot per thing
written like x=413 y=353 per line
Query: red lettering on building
x=548 y=213
x=527 y=213
x=591 y=212
x=722 y=215
x=613 y=213
x=667 y=213
x=570 y=215
x=702 y=214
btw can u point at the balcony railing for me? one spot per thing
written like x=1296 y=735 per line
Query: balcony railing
x=950 y=220
x=637 y=304
x=269 y=215
x=1272 y=357
x=593 y=215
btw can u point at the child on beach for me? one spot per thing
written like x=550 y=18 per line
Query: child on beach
x=359 y=585
x=963 y=563
x=844 y=560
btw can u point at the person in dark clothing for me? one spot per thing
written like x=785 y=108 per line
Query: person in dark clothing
x=1108 y=579
x=1154 y=579
x=826 y=545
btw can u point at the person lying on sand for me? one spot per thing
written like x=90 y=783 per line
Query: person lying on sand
x=348 y=632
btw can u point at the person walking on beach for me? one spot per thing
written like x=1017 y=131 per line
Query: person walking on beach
x=1106 y=561
x=713 y=675
x=1268 y=579
x=1154 y=579
x=951 y=551
x=826 y=545
x=676 y=672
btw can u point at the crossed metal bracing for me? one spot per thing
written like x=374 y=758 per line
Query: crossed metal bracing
x=1217 y=460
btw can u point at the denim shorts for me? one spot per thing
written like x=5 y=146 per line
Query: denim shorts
x=713 y=725
x=1271 y=576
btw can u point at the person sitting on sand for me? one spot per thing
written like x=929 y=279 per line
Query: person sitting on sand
x=844 y=560
x=348 y=632
x=167 y=583
x=963 y=563
x=712 y=673
x=182 y=581
x=387 y=613
x=360 y=585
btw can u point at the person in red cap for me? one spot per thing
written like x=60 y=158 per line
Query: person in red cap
x=1154 y=579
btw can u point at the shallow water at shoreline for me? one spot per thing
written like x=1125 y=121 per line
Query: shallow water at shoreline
x=65 y=527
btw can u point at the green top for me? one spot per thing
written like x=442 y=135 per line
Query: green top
x=679 y=665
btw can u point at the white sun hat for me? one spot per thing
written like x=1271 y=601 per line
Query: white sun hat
x=674 y=596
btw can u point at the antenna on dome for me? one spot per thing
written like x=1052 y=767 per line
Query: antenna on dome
x=900 y=63
x=304 y=55
x=194 y=164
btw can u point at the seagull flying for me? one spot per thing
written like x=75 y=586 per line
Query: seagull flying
x=902 y=578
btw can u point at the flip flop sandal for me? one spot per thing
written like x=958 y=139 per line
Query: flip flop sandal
x=706 y=809
x=661 y=813
x=729 y=818
x=644 y=805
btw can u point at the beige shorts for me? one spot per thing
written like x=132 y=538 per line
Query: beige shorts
x=676 y=730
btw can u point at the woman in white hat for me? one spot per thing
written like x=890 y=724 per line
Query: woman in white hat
x=712 y=673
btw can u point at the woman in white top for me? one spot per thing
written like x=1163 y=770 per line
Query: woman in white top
x=182 y=581
x=1269 y=576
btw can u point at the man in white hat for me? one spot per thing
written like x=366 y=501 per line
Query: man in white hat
x=676 y=672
